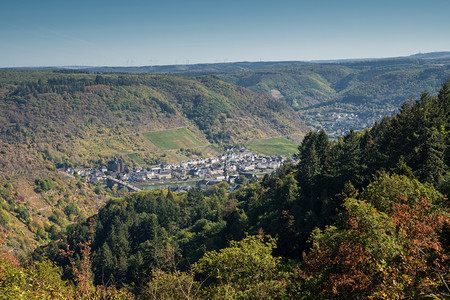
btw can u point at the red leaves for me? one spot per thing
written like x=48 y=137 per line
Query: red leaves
x=6 y=258
x=349 y=267
x=83 y=272
x=373 y=254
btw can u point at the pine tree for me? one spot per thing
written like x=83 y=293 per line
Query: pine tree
x=350 y=167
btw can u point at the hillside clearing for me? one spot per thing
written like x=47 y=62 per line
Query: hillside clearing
x=274 y=146
x=174 y=139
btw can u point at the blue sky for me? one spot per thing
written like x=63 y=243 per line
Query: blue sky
x=137 y=32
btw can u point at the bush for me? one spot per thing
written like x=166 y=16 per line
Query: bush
x=79 y=185
x=71 y=209
x=43 y=185
x=23 y=213
x=4 y=218
x=53 y=218
x=98 y=190
x=35 y=226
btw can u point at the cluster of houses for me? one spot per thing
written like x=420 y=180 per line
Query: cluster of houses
x=339 y=124
x=226 y=167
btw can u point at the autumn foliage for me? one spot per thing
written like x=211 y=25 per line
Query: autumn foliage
x=395 y=254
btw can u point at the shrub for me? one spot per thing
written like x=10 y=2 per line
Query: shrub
x=4 y=218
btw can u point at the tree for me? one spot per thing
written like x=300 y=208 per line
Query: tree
x=23 y=213
x=242 y=180
x=349 y=161
x=245 y=269
x=39 y=280
x=71 y=209
x=167 y=282
x=171 y=285
x=309 y=165
x=431 y=156
x=288 y=244
x=343 y=260
x=389 y=246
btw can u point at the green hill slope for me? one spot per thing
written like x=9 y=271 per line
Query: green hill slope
x=174 y=138
x=84 y=118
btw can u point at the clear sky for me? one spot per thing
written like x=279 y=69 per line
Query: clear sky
x=152 y=32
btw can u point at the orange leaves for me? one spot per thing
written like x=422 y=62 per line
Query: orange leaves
x=6 y=257
x=393 y=253
x=83 y=272
x=424 y=253
x=345 y=264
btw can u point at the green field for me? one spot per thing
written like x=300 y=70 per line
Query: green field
x=174 y=139
x=274 y=146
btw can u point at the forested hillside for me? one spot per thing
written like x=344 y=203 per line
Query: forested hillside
x=364 y=216
x=333 y=95
x=328 y=93
x=67 y=115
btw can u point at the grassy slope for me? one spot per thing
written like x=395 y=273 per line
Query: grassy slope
x=274 y=146
x=174 y=139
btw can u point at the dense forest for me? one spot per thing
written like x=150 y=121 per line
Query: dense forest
x=365 y=216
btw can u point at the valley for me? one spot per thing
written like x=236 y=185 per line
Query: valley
x=141 y=180
x=54 y=121
x=229 y=150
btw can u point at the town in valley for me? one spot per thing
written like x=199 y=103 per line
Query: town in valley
x=231 y=167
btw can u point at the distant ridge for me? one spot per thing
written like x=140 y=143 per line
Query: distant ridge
x=432 y=55
x=210 y=68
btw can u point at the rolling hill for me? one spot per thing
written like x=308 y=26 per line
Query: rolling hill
x=339 y=96
x=336 y=94
x=62 y=118
x=83 y=118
